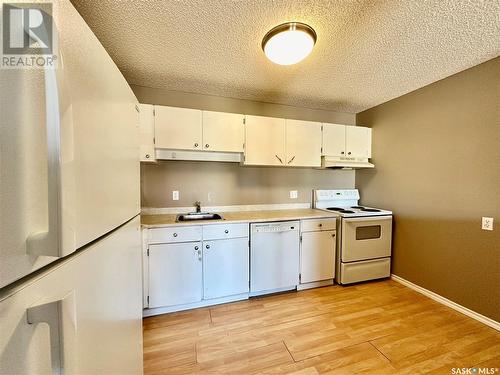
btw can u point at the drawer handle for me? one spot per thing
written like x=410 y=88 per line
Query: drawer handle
x=226 y=231
x=175 y=234
x=208 y=246
x=320 y=225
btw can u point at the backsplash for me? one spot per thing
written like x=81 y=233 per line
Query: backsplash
x=225 y=184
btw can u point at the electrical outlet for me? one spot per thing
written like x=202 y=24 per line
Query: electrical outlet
x=175 y=195
x=293 y=194
x=487 y=223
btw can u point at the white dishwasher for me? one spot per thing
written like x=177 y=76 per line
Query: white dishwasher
x=274 y=257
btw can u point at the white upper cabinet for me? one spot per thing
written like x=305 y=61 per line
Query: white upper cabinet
x=264 y=141
x=347 y=141
x=358 y=141
x=334 y=139
x=146 y=132
x=223 y=132
x=178 y=128
x=303 y=143
x=274 y=141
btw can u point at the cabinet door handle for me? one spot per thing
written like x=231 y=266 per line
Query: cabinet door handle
x=291 y=159
x=333 y=235
x=281 y=161
x=196 y=248
x=196 y=145
x=342 y=152
x=208 y=246
x=207 y=145
x=349 y=153
x=147 y=156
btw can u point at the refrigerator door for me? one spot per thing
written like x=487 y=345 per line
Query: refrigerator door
x=82 y=317
x=69 y=159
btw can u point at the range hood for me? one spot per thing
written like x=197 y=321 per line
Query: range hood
x=345 y=162
x=231 y=157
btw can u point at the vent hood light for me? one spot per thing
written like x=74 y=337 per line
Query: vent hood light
x=289 y=43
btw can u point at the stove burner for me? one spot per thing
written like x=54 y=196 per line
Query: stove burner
x=358 y=207
x=334 y=208
x=370 y=210
x=346 y=211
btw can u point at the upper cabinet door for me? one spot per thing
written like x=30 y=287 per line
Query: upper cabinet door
x=358 y=142
x=178 y=128
x=146 y=132
x=223 y=132
x=264 y=141
x=334 y=139
x=303 y=143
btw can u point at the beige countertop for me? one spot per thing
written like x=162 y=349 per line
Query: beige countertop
x=166 y=220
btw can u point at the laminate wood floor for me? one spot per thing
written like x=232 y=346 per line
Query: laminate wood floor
x=378 y=328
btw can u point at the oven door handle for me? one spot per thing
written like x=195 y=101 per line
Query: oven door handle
x=367 y=219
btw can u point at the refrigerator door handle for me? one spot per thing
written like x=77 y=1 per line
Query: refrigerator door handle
x=48 y=243
x=53 y=313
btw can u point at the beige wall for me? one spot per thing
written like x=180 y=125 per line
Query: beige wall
x=437 y=157
x=228 y=183
x=231 y=184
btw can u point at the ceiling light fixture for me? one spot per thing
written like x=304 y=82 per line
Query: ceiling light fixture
x=289 y=43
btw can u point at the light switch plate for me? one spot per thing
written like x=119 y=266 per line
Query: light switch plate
x=175 y=195
x=293 y=194
x=487 y=223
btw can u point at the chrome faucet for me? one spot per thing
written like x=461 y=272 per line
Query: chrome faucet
x=198 y=206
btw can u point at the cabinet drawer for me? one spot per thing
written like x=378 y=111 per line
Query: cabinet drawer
x=174 y=234
x=318 y=224
x=222 y=231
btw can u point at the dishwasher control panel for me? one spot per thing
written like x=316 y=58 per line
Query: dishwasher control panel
x=275 y=227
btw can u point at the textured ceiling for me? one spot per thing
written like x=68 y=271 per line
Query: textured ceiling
x=367 y=52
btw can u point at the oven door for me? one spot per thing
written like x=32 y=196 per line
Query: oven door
x=366 y=238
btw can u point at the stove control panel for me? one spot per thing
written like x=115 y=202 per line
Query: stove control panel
x=331 y=195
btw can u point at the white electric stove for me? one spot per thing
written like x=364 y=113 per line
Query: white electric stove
x=364 y=236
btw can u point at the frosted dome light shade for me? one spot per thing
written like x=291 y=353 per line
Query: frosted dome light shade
x=289 y=43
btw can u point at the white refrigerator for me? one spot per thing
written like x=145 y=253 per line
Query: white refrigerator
x=70 y=245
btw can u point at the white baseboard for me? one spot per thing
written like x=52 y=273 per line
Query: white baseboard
x=315 y=284
x=189 y=306
x=445 y=301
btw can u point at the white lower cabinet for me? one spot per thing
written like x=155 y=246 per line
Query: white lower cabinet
x=193 y=266
x=317 y=256
x=225 y=267
x=317 y=250
x=175 y=274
